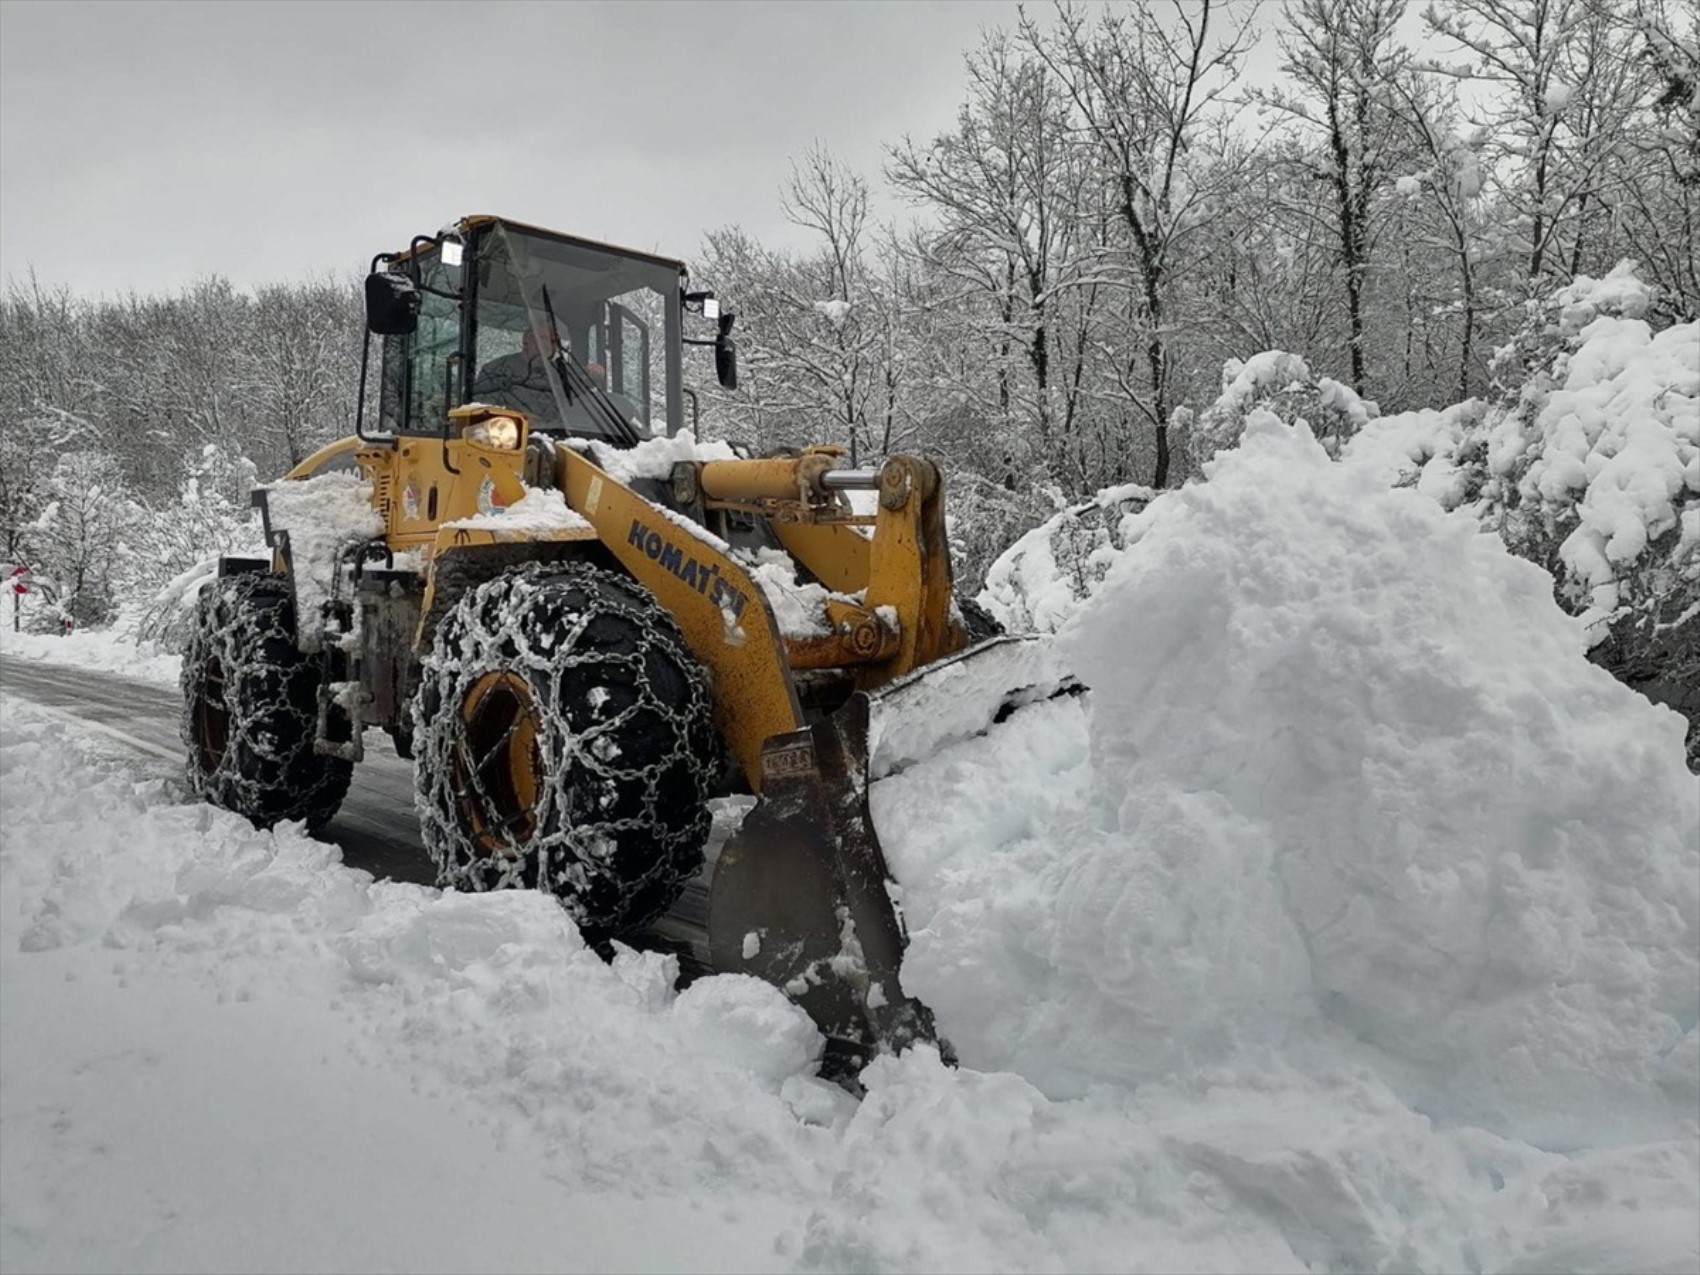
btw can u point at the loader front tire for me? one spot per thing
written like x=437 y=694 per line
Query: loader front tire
x=564 y=741
x=250 y=707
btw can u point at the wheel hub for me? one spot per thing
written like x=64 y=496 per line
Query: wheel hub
x=498 y=771
x=211 y=718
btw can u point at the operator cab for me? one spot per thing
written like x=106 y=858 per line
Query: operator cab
x=582 y=337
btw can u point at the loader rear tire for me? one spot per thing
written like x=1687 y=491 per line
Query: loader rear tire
x=564 y=741
x=250 y=707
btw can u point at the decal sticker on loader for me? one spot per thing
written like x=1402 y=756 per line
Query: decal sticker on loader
x=703 y=577
x=789 y=762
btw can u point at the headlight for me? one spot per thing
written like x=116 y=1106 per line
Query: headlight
x=498 y=432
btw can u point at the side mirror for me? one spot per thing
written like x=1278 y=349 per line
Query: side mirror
x=392 y=304
x=726 y=354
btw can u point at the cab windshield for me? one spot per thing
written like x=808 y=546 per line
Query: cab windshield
x=617 y=315
x=489 y=326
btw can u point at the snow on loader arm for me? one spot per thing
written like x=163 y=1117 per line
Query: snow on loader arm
x=582 y=625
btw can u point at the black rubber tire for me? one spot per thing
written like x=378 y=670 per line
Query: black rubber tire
x=564 y=740
x=250 y=707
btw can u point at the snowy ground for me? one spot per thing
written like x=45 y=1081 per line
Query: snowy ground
x=1349 y=923
x=103 y=649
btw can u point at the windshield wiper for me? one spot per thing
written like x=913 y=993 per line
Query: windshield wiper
x=579 y=384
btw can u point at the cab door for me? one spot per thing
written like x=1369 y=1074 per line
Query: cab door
x=423 y=371
x=628 y=358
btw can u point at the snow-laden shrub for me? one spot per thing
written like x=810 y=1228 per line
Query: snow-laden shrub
x=1042 y=579
x=1594 y=471
x=984 y=516
x=1282 y=383
x=1440 y=452
x=1551 y=325
x=1594 y=466
x=173 y=548
x=1588 y=463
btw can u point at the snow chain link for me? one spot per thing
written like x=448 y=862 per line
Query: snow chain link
x=619 y=817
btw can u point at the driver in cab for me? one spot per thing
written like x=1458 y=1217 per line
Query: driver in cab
x=521 y=380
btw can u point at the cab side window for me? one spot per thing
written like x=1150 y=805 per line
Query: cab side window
x=422 y=371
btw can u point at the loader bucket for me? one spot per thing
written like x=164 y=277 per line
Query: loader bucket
x=802 y=895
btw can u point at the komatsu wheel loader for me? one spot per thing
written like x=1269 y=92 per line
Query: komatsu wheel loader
x=569 y=615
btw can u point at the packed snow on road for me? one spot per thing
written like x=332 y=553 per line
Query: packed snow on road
x=1348 y=922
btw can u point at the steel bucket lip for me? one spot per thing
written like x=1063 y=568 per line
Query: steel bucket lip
x=960 y=696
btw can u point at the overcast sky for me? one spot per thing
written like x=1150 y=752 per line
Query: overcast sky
x=145 y=144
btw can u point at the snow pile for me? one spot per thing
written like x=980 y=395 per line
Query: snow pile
x=1270 y=1172
x=1344 y=788
x=226 y=1051
x=1041 y=579
x=654 y=458
x=323 y=516
x=540 y=512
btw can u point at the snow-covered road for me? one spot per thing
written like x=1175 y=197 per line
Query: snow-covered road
x=376 y=827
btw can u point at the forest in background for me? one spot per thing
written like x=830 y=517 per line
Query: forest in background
x=1113 y=219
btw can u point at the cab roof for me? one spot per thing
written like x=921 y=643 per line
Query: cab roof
x=466 y=225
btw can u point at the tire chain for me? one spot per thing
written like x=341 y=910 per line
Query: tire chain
x=620 y=816
x=268 y=771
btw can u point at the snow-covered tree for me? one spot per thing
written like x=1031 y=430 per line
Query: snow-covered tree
x=76 y=542
x=1341 y=56
x=1146 y=89
x=1655 y=189
x=174 y=542
x=1006 y=187
x=1558 y=85
x=1443 y=209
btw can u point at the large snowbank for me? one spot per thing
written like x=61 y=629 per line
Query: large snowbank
x=1345 y=787
x=226 y=1051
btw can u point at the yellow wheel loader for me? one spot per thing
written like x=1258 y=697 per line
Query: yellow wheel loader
x=583 y=626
